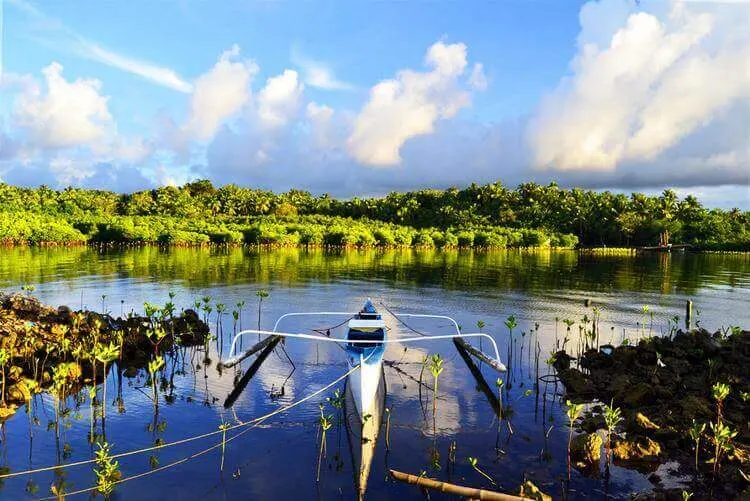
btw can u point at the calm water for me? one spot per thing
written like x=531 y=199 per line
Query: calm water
x=278 y=459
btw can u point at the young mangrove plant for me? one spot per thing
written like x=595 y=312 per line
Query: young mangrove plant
x=696 y=432
x=511 y=324
x=262 y=294
x=107 y=471
x=722 y=438
x=4 y=359
x=223 y=427
x=105 y=355
x=436 y=368
x=153 y=368
x=474 y=462
x=573 y=413
x=722 y=434
x=612 y=417
x=325 y=425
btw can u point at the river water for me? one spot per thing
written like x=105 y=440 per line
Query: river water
x=278 y=458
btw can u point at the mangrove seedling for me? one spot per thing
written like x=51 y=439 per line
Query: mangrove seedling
x=223 y=427
x=262 y=294
x=105 y=355
x=511 y=324
x=573 y=413
x=325 y=425
x=107 y=471
x=696 y=432
x=474 y=462
x=436 y=368
x=612 y=417
x=153 y=368
x=499 y=383
x=720 y=392
x=722 y=437
x=4 y=359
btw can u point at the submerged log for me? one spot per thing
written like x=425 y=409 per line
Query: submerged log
x=459 y=490
x=499 y=367
x=232 y=361
x=240 y=387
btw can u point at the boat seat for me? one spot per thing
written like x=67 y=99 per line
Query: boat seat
x=374 y=336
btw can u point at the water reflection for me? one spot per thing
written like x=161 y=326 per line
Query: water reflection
x=278 y=459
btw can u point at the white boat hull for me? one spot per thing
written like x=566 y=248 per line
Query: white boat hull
x=365 y=381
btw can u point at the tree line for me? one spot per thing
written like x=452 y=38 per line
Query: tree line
x=499 y=215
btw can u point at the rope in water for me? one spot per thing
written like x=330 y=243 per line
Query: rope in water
x=250 y=425
x=401 y=320
x=252 y=422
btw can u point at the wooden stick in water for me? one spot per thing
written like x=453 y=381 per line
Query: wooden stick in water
x=466 y=492
x=255 y=348
x=481 y=356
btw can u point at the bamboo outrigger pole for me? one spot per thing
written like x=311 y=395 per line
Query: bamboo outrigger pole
x=466 y=492
x=231 y=362
x=481 y=356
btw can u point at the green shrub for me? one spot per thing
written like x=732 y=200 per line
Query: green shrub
x=403 y=235
x=423 y=239
x=339 y=237
x=179 y=237
x=489 y=239
x=226 y=237
x=450 y=239
x=312 y=235
x=465 y=238
x=384 y=237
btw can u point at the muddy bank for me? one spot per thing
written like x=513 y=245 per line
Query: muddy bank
x=39 y=344
x=665 y=387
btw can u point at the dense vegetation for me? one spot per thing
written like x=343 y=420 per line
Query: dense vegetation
x=480 y=216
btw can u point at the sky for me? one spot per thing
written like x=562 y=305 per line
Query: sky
x=362 y=98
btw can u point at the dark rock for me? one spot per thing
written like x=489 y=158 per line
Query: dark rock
x=634 y=396
x=576 y=382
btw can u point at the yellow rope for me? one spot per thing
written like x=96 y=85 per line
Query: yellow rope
x=250 y=424
x=177 y=442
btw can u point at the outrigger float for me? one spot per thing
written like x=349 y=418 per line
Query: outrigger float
x=364 y=344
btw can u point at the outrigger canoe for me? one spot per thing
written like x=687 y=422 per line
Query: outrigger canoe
x=366 y=333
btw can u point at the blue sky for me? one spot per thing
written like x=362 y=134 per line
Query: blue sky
x=366 y=97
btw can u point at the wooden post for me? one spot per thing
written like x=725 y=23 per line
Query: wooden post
x=466 y=492
x=688 y=314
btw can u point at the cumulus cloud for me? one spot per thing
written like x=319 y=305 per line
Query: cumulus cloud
x=320 y=117
x=61 y=113
x=318 y=74
x=636 y=94
x=279 y=100
x=409 y=105
x=219 y=94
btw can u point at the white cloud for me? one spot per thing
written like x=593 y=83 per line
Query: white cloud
x=279 y=100
x=643 y=89
x=219 y=94
x=157 y=74
x=409 y=105
x=53 y=33
x=63 y=114
x=478 y=80
x=320 y=117
x=318 y=74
